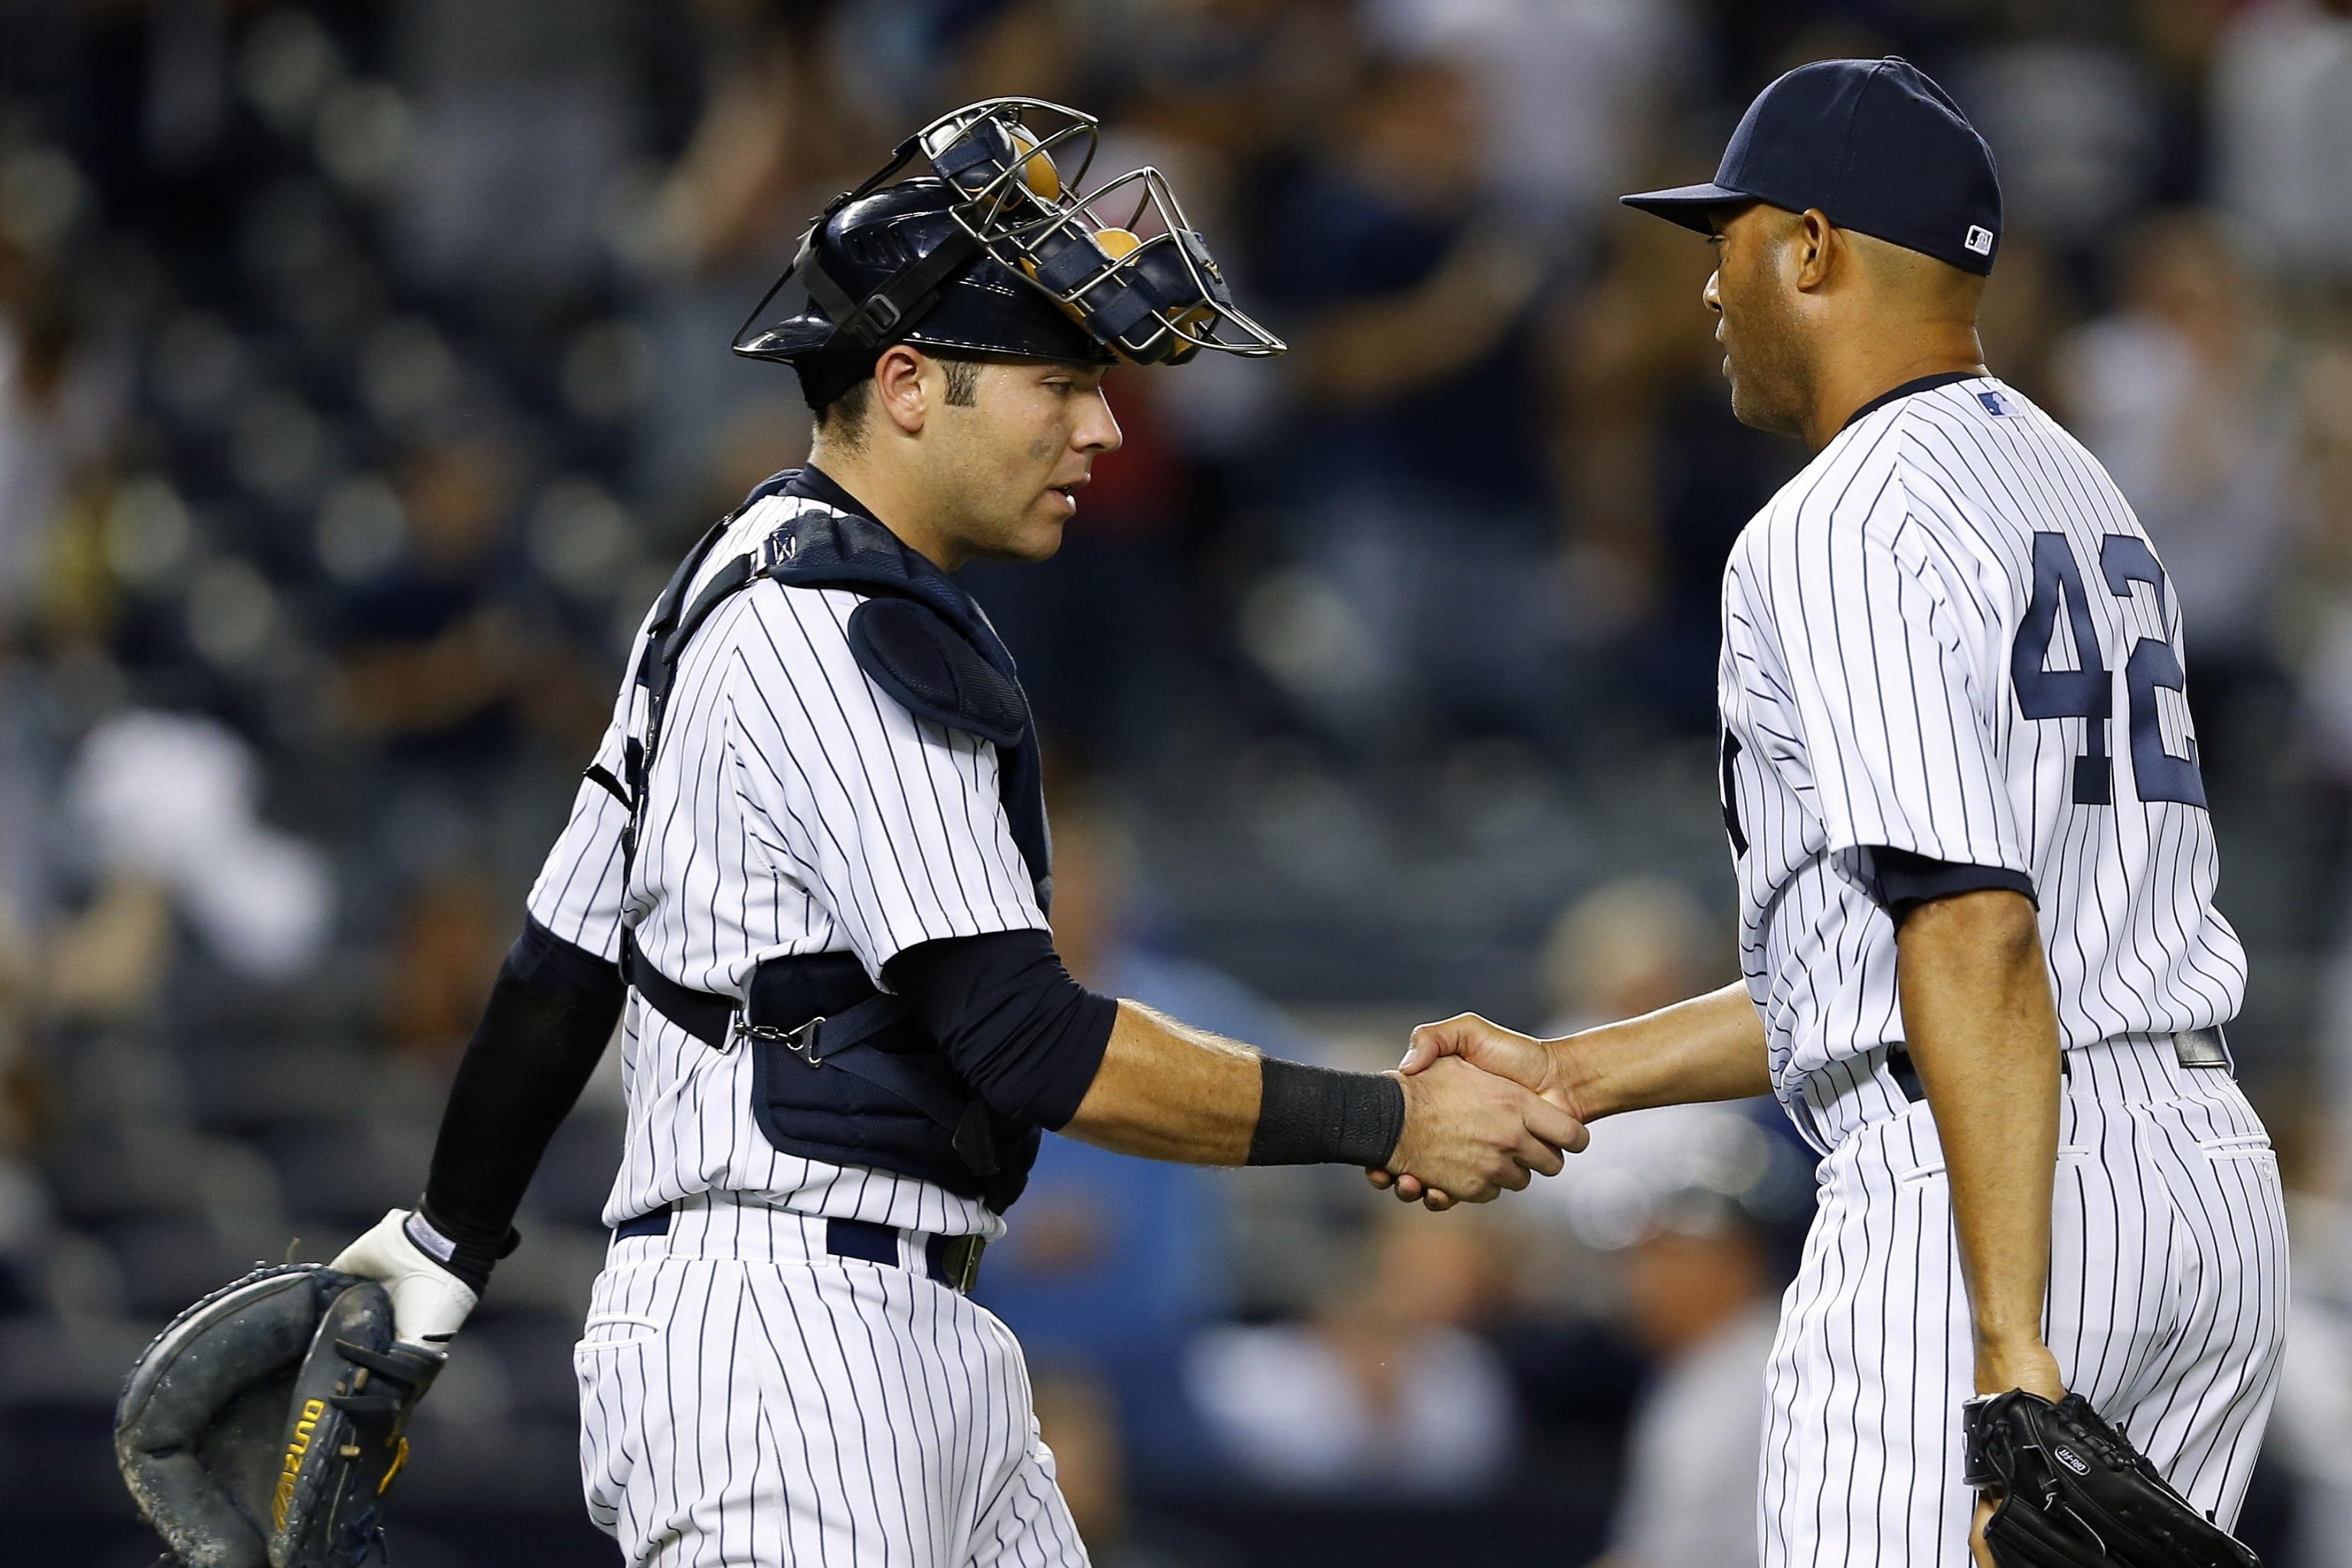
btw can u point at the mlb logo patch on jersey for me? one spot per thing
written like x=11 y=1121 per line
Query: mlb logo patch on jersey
x=1995 y=404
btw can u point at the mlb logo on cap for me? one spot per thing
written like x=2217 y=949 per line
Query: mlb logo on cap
x=1979 y=239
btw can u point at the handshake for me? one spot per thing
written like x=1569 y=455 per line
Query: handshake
x=1484 y=1110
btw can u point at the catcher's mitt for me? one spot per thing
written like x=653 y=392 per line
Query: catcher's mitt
x=2070 y=1491
x=263 y=1425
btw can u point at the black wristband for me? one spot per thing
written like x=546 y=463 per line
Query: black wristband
x=1315 y=1116
x=469 y=1257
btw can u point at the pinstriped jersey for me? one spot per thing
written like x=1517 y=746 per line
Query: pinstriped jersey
x=792 y=808
x=1949 y=635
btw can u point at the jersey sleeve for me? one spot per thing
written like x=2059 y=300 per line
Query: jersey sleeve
x=893 y=824
x=580 y=887
x=1879 y=676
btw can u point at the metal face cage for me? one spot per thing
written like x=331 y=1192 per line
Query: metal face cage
x=1128 y=264
x=1123 y=261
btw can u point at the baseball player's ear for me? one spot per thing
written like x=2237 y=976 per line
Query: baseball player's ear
x=1817 y=241
x=901 y=386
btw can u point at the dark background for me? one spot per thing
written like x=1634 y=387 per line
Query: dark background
x=362 y=373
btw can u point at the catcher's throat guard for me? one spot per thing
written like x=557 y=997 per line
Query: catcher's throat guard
x=1122 y=262
x=264 y=1424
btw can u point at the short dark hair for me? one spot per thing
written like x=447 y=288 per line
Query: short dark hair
x=842 y=419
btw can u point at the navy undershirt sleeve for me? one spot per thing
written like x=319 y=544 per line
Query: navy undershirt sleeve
x=1020 y=1030
x=549 y=1016
x=1901 y=880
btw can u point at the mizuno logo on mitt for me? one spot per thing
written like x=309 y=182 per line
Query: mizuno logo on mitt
x=304 y=1425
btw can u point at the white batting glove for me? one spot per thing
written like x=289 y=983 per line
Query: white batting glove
x=428 y=1302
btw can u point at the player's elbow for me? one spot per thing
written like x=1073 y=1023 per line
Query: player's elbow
x=1025 y=1034
x=1993 y=933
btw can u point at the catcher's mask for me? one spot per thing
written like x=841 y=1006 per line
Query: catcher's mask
x=995 y=252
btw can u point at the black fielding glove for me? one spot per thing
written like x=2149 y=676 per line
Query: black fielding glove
x=2069 y=1492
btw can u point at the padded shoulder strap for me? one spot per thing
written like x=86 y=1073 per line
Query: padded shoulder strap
x=911 y=651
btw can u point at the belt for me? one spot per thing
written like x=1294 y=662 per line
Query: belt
x=706 y=1016
x=2191 y=1048
x=950 y=1260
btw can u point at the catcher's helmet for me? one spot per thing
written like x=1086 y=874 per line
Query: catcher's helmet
x=994 y=252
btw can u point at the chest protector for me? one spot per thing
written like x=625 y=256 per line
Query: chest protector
x=841 y=1072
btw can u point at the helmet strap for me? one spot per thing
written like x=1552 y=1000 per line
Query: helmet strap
x=874 y=322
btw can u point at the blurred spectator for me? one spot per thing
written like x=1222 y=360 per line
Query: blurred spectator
x=33 y=348
x=59 y=406
x=1656 y=477
x=509 y=148
x=2076 y=118
x=1627 y=947
x=1570 y=91
x=172 y=799
x=1705 y=1204
x=432 y=648
x=1679 y=1219
x=2323 y=592
x=2282 y=129
x=24 y=1207
x=2189 y=395
x=1117 y=1261
x=1383 y=1390
x=788 y=118
x=446 y=941
x=451 y=652
x=1079 y=1419
x=2310 y=1439
x=1412 y=473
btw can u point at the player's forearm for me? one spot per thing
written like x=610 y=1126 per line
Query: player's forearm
x=1709 y=1047
x=1166 y=1090
x=546 y=1024
x=1983 y=1032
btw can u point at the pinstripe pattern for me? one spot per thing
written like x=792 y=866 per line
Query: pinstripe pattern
x=792 y=808
x=748 y=1400
x=1870 y=613
x=2168 y=1295
x=1872 y=696
x=745 y=1397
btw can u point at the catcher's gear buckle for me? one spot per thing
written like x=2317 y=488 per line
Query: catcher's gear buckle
x=799 y=1039
x=960 y=1261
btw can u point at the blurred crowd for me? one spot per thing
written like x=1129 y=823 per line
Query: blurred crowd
x=363 y=370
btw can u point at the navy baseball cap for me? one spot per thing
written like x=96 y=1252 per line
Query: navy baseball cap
x=1875 y=144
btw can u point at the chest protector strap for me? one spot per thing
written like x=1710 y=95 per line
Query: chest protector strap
x=924 y=642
